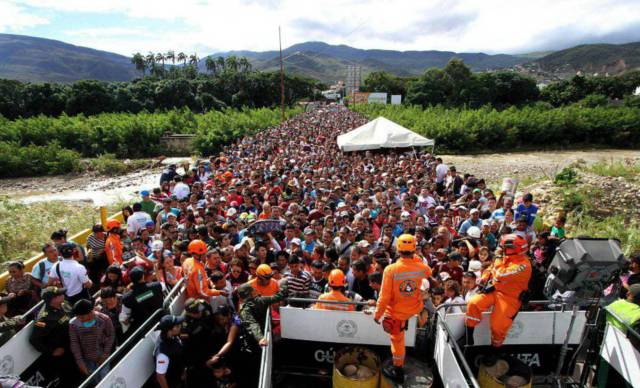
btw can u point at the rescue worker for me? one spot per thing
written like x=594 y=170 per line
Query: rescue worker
x=113 y=244
x=168 y=353
x=263 y=282
x=337 y=284
x=140 y=302
x=197 y=281
x=50 y=335
x=198 y=340
x=400 y=299
x=253 y=313
x=506 y=282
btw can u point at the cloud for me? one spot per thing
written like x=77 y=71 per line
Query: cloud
x=492 y=26
x=15 y=19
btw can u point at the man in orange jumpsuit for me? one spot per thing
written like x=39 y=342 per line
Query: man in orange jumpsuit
x=337 y=283
x=113 y=245
x=400 y=299
x=197 y=281
x=263 y=284
x=505 y=283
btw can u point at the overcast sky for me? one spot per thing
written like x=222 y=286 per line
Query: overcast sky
x=208 y=26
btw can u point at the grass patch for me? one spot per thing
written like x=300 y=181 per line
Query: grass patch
x=108 y=164
x=25 y=228
x=609 y=227
x=565 y=177
x=627 y=168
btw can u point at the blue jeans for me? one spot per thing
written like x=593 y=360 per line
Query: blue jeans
x=92 y=366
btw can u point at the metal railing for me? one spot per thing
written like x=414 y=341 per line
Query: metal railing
x=310 y=300
x=130 y=342
x=266 y=357
x=457 y=351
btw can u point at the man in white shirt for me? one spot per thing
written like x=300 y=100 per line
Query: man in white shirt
x=70 y=274
x=137 y=221
x=181 y=190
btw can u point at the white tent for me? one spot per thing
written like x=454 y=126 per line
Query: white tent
x=381 y=133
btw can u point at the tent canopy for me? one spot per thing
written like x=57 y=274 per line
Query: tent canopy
x=381 y=133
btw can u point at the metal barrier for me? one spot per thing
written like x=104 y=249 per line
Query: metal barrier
x=130 y=342
x=458 y=354
x=309 y=300
x=266 y=361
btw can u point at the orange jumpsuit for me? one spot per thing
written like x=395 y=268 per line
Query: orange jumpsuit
x=510 y=276
x=336 y=296
x=269 y=290
x=198 y=283
x=113 y=249
x=400 y=298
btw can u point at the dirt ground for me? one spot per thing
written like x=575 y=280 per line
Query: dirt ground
x=529 y=166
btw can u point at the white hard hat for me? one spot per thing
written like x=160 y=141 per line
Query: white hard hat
x=474 y=232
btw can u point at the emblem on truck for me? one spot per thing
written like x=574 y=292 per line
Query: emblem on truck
x=347 y=328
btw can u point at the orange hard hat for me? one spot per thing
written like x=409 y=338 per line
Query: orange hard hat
x=197 y=247
x=406 y=243
x=228 y=175
x=337 y=278
x=112 y=224
x=264 y=270
x=513 y=244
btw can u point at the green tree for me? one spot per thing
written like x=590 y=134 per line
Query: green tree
x=432 y=88
x=381 y=81
x=140 y=62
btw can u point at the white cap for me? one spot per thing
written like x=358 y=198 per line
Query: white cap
x=405 y=215
x=474 y=210
x=157 y=245
x=475 y=265
x=296 y=241
x=232 y=212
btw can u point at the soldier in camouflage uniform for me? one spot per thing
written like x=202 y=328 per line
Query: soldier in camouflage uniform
x=50 y=335
x=8 y=326
x=253 y=313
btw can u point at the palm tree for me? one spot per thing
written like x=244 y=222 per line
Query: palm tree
x=222 y=65
x=211 y=65
x=193 y=61
x=232 y=63
x=160 y=58
x=139 y=61
x=150 y=59
x=182 y=57
x=171 y=55
x=245 y=65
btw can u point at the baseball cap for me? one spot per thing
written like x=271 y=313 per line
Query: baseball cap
x=264 y=270
x=157 y=245
x=245 y=290
x=50 y=292
x=308 y=231
x=475 y=265
x=169 y=321
x=473 y=211
x=149 y=223
x=144 y=193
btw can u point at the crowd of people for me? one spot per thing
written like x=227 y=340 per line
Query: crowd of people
x=277 y=214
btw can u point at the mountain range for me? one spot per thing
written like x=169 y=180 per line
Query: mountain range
x=27 y=58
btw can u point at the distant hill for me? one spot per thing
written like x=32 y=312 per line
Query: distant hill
x=593 y=58
x=27 y=58
x=328 y=62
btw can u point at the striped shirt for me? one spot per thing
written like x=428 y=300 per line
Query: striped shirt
x=299 y=284
x=91 y=343
x=96 y=245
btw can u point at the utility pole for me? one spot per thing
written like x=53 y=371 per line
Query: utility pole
x=281 y=73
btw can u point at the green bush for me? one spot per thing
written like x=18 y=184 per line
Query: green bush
x=531 y=127
x=108 y=164
x=566 y=177
x=16 y=161
x=618 y=168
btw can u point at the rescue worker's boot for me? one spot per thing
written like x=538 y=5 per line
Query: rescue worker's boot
x=395 y=373
x=467 y=337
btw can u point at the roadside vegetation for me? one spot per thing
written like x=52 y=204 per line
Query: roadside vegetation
x=54 y=145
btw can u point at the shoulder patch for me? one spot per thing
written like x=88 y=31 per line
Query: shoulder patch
x=40 y=324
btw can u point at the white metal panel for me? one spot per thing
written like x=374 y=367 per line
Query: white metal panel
x=377 y=98
x=346 y=327
x=396 y=99
x=18 y=354
x=136 y=367
x=529 y=328
x=266 y=362
x=448 y=367
x=618 y=351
